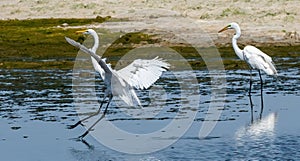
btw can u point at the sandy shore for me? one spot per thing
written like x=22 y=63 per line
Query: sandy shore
x=272 y=22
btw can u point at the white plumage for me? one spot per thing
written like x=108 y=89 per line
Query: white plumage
x=96 y=65
x=259 y=60
x=253 y=56
x=140 y=74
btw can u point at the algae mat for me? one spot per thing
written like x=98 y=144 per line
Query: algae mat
x=40 y=44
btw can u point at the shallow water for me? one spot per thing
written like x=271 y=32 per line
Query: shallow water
x=37 y=105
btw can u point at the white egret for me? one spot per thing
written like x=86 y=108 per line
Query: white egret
x=140 y=74
x=255 y=58
x=94 y=34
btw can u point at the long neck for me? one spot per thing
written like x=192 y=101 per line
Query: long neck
x=236 y=48
x=96 y=57
x=96 y=41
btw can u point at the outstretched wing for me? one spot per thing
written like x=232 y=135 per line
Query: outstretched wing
x=259 y=60
x=98 y=68
x=141 y=74
x=120 y=88
x=101 y=62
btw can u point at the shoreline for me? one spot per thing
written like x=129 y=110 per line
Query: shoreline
x=23 y=41
x=263 y=23
x=260 y=36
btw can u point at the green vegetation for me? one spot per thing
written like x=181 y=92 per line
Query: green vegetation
x=32 y=43
x=40 y=44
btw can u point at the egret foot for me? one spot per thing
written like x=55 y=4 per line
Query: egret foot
x=75 y=125
x=83 y=135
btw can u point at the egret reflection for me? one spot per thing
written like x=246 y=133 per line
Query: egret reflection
x=260 y=129
x=251 y=109
x=258 y=139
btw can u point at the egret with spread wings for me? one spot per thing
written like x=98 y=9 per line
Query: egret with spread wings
x=255 y=58
x=140 y=74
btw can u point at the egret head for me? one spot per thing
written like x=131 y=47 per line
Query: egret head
x=94 y=35
x=232 y=25
x=86 y=32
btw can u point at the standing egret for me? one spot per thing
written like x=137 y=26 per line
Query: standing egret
x=140 y=74
x=255 y=58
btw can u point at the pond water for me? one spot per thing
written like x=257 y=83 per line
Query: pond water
x=37 y=105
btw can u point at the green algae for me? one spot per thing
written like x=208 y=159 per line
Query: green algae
x=32 y=43
x=40 y=44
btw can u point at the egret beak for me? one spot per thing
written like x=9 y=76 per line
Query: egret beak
x=80 y=32
x=223 y=29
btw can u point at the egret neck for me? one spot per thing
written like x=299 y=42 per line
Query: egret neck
x=96 y=41
x=236 y=48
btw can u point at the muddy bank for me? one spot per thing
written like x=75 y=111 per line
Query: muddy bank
x=170 y=28
x=40 y=43
x=263 y=23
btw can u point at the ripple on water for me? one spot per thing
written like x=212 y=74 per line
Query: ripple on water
x=46 y=96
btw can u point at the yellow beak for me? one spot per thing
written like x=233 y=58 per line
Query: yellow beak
x=223 y=29
x=80 y=32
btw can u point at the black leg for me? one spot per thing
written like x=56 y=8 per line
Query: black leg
x=252 y=120
x=102 y=116
x=251 y=108
x=91 y=147
x=109 y=100
x=261 y=95
x=92 y=115
x=250 y=98
x=250 y=83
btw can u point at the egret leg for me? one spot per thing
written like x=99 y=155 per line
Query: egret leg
x=251 y=107
x=250 y=98
x=92 y=115
x=250 y=83
x=91 y=147
x=252 y=115
x=102 y=116
x=261 y=95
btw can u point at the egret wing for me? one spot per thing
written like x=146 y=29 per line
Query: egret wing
x=123 y=90
x=259 y=60
x=141 y=74
x=106 y=67
x=255 y=51
x=98 y=68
